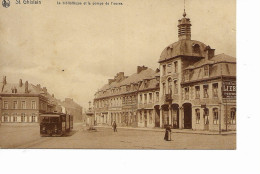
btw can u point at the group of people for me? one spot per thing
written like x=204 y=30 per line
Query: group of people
x=167 y=135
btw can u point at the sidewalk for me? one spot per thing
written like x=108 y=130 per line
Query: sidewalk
x=184 y=131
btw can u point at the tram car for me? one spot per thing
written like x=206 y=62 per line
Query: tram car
x=55 y=124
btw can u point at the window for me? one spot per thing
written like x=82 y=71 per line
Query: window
x=150 y=97
x=33 y=118
x=197 y=116
x=22 y=117
x=164 y=69
x=215 y=116
x=187 y=75
x=175 y=87
x=233 y=116
x=141 y=98
x=33 y=105
x=5 y=117
x=23 y=105
x=215 y=89
x=169 y=86
x=5 y=104
x=205 y=91
x=157 y=96
x=15 y=105
x=206 y=70
x=169 y=68
x=196 y=48
x=175 y=67
x=14 y=117
x=145 y=98
x=197 y=91
x=14 y=90
x=164 y=89
x=186 y=93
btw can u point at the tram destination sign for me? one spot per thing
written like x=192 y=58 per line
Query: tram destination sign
x=229 y=90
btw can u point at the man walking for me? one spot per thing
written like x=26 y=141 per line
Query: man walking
x=114 y=126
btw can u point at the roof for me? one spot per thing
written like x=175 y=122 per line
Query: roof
x=7 y=88
x=183 y=47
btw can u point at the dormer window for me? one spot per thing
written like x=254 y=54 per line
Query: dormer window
x=196 y=48
x=206 y=70
x=14 y=90
x=186 y=76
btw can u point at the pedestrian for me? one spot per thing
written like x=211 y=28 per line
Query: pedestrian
x=114 y=126
x=167 y=136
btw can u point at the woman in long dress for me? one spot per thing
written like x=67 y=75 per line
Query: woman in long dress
x=167 y=136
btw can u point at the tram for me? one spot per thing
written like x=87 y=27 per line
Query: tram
x=55 y=124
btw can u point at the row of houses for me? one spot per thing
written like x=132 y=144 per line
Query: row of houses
x=24 y=102
x=192 y=89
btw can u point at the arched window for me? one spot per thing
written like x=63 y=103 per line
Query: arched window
x=206 y=116
x=196 y=48
x=175 y=87
x=215 y=115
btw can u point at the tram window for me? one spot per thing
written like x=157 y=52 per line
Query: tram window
x=45 y=120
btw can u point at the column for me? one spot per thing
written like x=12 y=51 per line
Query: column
x=170 y=115
x=161 y=113
x=180 y=117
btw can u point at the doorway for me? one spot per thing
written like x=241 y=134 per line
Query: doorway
x=187 y=116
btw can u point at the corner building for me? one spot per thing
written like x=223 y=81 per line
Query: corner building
x=191 y=79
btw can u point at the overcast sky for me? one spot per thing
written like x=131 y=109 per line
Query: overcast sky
x=93 y=43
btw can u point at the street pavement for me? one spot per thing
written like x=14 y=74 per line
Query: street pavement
x=24 y=137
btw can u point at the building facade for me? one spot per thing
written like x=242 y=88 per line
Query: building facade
x=128 y=100
x=194 y=89
x=72 y=108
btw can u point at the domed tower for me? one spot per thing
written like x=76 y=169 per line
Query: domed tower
x=184 y=31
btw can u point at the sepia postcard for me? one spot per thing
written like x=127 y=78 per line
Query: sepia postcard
x=123 y=74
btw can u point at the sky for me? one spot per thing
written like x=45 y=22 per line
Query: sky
x=74 y=50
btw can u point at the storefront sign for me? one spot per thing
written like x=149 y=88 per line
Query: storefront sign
x=229 y=90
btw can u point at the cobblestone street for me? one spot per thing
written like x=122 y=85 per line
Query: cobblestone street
x=105 y=138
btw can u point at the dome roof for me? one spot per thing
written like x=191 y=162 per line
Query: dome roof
x=184 y=47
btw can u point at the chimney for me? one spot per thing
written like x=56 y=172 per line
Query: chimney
x=38 y=86
x=209 y=52
x=4 y=80
x=140 y=69
x=44 y=90
x=110 y=81
x=20 y=83
x=26 y=87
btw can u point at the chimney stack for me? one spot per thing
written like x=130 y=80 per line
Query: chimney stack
x=26 y=87
x=44 y=90
x=141 y=68
x=4 y=80
x=209 y=52
x=20 y=83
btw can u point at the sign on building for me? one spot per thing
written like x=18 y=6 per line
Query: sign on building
x=229 y=90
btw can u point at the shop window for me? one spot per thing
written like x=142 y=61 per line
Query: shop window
x=15 y=105
x=215 y=89
x=175 y=87
x=205 y=91
x=233 y=116
x=215 y=116
x=197 y=111
x=197 y=91
x=186 y=93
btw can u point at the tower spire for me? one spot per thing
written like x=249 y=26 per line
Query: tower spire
x=184 y=26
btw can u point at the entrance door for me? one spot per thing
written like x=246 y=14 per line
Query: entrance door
x=157 y=118
x=206 y=119
x=187 y=116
